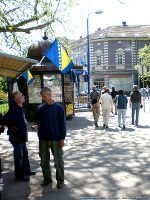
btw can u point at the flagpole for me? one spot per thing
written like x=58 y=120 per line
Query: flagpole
x=42 y=59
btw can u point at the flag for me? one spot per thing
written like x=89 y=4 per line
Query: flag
x=15 y=87
x=28 y=76
x=59 y=57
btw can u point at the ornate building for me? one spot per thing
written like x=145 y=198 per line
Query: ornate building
x=114 y=53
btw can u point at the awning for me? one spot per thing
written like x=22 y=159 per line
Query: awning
x=13 y=66
x=76 y=73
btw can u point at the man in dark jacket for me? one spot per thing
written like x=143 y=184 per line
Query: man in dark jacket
x=114 y=93
x=51 y=132
x=121 y=103
x=135 y=102
x=16 y=122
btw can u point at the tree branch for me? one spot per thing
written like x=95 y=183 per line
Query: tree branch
x=26 y=30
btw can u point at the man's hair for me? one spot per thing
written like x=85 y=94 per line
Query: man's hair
x=107 y=90
x=120 y=92
x=135 y=88
x=94 y=86
x=46 y=90
x=14 y=94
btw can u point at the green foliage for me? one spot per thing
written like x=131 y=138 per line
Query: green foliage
x=4 y=108
x=3 y=84
x=144 y=54
x=19 y=18
x=66 y=43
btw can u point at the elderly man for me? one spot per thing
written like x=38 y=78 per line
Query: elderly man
x=106 y=103
x=51 y=132
x=16 y=122
x=95 y=96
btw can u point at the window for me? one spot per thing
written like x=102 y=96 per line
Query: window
x=119 y=59
x=99 y=59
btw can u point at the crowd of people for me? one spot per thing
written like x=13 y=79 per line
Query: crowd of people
x=51 y=128
x=115 y=102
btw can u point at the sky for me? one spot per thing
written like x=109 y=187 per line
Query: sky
x=134 y=12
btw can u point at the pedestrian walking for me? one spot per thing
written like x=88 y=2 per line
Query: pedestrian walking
x=121 y=103
x=95 y=97
x=147 y=92
x=135 y=103
x=114 y=93
x=106 y=103
x=16 y=122
x=51 y=132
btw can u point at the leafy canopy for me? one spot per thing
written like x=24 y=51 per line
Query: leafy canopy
x=144 y=54
x=19 y=18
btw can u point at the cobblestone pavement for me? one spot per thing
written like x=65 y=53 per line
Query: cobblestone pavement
x=99 y=164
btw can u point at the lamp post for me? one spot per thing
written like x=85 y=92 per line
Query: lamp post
x=88 y=50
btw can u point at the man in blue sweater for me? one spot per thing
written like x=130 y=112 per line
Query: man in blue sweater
x=51 y=132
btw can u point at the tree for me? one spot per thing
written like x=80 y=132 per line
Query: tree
x=144 y=55
x=19 y=18
x=3 y=88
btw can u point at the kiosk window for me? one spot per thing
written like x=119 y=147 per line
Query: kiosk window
x=53 y=81
x=34 y=90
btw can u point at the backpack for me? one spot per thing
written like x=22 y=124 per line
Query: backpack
x=135 y=97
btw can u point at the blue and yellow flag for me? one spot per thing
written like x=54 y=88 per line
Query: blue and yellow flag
x=28 y=76
x=59 y=57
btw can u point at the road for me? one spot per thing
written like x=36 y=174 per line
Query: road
x=99 y=163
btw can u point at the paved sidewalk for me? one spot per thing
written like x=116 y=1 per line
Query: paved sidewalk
x=99 y=164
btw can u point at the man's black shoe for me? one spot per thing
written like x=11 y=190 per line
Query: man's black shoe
x=22 y=179
x=96 y=125
x=104 y=126
x=60 y=184
x=31 y=174
x=46 y=182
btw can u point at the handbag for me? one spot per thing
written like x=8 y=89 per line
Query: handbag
x=141 y=106
x=94 y=101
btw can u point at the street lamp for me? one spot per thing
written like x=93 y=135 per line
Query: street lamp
x=88 y=49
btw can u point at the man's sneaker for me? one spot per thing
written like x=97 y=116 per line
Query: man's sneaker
x=30 y=174
x=60 y=184
x=46 y=182
x=96 y=125
x=104 y=126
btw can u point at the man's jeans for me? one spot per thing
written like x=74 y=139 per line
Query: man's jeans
x=135 y=109
x=122 y=115
x=57 y=152
x=21 y=161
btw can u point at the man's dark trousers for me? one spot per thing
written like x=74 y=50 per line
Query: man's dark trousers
x=21 y=161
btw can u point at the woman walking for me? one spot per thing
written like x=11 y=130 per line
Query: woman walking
x=121 y=102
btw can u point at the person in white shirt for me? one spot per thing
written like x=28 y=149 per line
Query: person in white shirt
x=106 y=104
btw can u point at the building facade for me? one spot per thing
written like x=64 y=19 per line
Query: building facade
x=114 y=54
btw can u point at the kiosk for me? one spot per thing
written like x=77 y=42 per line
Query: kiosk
x=45 y=74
